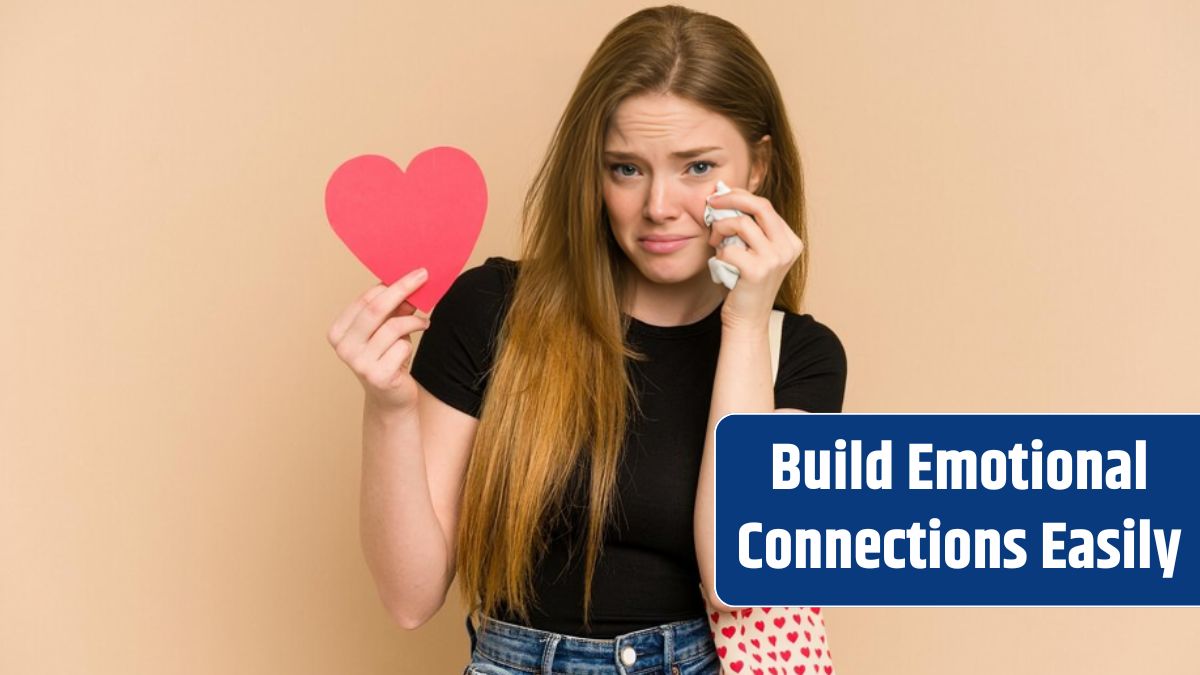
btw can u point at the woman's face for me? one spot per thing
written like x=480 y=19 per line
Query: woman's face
x=662 y=156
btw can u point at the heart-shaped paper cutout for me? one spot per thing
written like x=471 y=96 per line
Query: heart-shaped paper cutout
x=395 y=220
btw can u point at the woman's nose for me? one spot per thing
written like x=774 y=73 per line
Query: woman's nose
x=663 y=202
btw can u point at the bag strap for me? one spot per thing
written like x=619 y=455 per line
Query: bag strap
x=775 y=332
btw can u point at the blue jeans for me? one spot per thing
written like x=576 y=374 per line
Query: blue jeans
x=679 y=648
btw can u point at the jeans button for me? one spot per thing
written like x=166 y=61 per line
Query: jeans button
x=628 y=656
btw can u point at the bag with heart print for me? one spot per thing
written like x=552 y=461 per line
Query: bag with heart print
x=771 y=640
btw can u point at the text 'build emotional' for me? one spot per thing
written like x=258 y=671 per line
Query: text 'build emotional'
x=916 y=546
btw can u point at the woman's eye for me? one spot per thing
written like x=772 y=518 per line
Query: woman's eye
x=619 y=168
x=629 y=170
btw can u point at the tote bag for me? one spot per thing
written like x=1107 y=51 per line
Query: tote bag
x=771 y=640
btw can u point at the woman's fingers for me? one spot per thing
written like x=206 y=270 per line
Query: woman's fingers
x=753 y=205
x=389 y=348
x=395 y=328
x=762 y=257
x=380 y=308
x=747 y=262
x=769 y=259
x=777 y=235
x=741 y=226
x=338 y=330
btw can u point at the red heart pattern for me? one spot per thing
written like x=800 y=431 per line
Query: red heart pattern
x=729 y=632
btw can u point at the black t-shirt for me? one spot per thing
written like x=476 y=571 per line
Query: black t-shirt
x=647 y=573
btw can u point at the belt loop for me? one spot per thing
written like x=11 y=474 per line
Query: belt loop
x=668 y=648
x=548 y=654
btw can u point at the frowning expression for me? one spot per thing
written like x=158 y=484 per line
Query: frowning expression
x=663 y=155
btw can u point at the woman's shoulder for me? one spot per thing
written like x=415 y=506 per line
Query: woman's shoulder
x=812 y=366
x=495 y=272
x=456 y=351
x=805 y=324
x=804 y=333
x=501 y=264
x=487 y=284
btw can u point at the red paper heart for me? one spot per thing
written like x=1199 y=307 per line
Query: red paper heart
x=395 y=220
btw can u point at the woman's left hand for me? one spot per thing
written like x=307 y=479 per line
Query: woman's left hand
x=772 y=249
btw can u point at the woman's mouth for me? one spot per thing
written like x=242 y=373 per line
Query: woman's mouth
x=663 y=243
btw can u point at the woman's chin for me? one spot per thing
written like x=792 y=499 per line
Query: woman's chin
x=662 y=271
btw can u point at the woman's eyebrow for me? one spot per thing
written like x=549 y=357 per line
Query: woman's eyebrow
x=682 y=154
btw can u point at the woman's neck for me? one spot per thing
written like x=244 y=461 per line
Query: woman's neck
x=672 y=304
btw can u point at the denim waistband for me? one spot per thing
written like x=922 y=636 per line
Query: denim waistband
x=654 y=649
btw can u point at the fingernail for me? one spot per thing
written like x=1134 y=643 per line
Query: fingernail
x=420 y=274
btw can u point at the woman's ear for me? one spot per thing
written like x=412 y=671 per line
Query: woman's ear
x=760 y=155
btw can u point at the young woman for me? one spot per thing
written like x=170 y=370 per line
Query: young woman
x=551 y=445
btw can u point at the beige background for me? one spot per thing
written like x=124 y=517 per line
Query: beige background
x=1003 y=218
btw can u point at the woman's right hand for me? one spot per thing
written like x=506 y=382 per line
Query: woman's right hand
x=372 y=337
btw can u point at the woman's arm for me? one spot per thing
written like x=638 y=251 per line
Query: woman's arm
x=743 y=384
x=409 y=502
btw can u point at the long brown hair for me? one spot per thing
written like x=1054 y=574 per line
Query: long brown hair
x=559 y=395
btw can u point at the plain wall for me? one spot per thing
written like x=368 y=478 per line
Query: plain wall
x=1003 y=218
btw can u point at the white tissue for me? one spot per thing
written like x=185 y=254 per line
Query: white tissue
x=721 y=271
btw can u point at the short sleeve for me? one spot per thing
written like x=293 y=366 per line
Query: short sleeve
x=455 y=354
x=812 y=366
